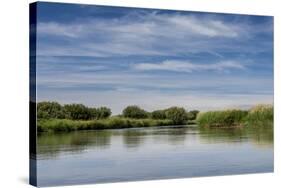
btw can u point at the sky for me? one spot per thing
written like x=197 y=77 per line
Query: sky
x=115 y=57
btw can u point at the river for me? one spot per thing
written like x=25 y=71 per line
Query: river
x=151 y=153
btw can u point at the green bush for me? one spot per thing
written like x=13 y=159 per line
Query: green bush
x=49 y=110
x=134 y=112
x=177 y=114
x=191 y=115
x=99 y=113
x=103 y=112
x=158 y=114
x=77 y=111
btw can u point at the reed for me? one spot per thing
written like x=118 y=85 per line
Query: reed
x=260 y=115
x=66 y=125
x=222 y=118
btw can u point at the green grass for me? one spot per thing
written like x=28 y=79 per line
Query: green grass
x=66 y=125
x=221 y=118
x=258 y=115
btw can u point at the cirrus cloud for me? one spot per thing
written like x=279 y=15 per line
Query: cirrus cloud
x=185 y=66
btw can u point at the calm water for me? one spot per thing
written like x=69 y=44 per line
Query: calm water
x=151 y=153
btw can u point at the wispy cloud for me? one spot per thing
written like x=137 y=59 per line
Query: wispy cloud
x=145 y=34
x=185 y=66
x=144 y=25
x=204 y=27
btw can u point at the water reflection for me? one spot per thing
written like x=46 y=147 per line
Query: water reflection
x=134 y=138
x=259 y=135
x=51 y=145
x=173 y=136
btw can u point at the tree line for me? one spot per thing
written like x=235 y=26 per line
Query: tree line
x=47 y=110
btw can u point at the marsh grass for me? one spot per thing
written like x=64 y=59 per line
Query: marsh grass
x=260 y=115
x=222 y=118
x=66 y=125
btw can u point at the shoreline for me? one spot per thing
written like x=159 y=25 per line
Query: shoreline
x=258 y=116
x=66 y=125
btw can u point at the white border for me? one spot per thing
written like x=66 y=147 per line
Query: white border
x=14 y=90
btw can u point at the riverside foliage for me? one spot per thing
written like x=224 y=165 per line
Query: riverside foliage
x=53 y=116
x=258 y=115
x=66 y=125
x=47 y=110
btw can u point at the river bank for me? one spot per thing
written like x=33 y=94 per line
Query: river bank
x=260 y=115
x=66 y=125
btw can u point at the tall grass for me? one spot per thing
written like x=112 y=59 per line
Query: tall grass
x=66 y=125
x=221 y=118
x=259 y=115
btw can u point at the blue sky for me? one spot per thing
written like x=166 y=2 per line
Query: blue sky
x=114 y=56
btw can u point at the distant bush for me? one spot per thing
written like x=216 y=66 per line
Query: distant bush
x=103 y=112
x=177 y=114
x=158 y=114
x=77 y=111
x=134 y=112
x=99 y=113
x=49 y=110
x=191 y=115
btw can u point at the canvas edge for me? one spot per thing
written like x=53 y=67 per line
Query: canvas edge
x=32 y=95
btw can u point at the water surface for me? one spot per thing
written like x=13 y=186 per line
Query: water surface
x=151 y=153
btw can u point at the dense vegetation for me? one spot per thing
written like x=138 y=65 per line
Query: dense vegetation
x=47 y=110
x=177 y=115
x=191 y=115
x=222 y=118
x=260 y=114
x=158 y=114
x=50 y=110
x=55 y=117
x=66 y=125
x=134 y=112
